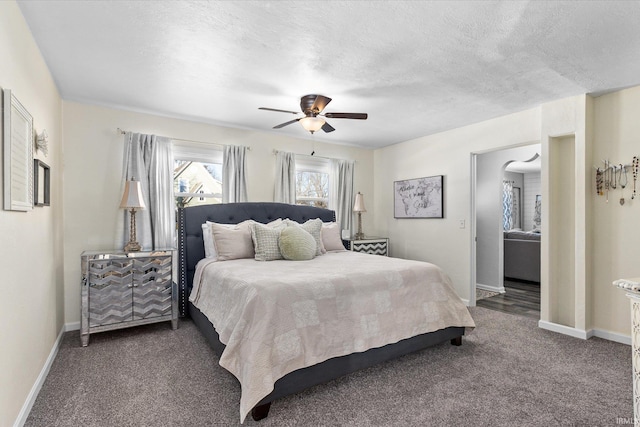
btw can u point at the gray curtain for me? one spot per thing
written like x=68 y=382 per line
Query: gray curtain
x=149 y=159
x=285 y=191
x=341 y=195
x=234 y=183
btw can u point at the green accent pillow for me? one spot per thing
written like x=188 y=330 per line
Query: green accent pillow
x=296 y=244
x=313 y=227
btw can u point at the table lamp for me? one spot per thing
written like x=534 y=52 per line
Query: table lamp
x=358 y=207
x=132 y=199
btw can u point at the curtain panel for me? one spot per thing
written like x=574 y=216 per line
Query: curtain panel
x=341 y=195
x=285 y=191
x=234 y=182
x=149 y=159
x=507 y=205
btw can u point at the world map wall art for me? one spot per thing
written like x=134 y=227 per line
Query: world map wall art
x=419 y=197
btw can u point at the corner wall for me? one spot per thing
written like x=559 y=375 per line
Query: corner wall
x=616 y=228
x=31 y=262
x=604 y=236
x=93 y=168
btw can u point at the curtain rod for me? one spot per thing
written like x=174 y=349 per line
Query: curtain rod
x=316 y=157
x=122 y=132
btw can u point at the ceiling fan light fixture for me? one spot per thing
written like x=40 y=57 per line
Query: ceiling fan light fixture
x=312 y=124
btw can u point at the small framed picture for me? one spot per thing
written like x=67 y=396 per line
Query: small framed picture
x=419 y=197
x=41 y=183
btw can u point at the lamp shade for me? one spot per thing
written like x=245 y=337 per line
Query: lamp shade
x=132 y=197
x=312 y=124
x=358 y=206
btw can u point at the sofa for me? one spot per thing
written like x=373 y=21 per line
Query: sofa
x=522 y=255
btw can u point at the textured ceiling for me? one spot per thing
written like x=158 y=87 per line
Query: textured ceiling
x=417 y=67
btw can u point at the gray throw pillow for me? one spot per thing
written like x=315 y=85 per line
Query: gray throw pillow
x=265 y=241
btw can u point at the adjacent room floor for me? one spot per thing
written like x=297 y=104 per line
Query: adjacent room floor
x=522 y=298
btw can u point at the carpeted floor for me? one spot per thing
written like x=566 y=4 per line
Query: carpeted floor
x=507 y=372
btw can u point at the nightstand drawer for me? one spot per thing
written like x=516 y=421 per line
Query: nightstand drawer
x=370 y=245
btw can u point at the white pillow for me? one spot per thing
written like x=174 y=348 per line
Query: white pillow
x=331 y=238
x=207 y=238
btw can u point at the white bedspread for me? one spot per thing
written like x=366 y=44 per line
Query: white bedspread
x=278 y=316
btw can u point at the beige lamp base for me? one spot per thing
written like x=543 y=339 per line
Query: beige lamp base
x=133 y=247
x=359 y=235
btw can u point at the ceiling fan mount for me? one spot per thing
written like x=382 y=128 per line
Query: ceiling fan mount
x=312 y=107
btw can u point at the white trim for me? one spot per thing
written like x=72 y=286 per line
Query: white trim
x=197 y=151
x=75 y=326
x=465 y=302
x=562 y=329
x=578 y=333
x=35 y=389
x=611 y=336
x=472 y=231
x=500 y=289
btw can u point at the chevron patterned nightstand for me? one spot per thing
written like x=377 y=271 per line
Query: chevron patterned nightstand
x=369 y=245
x=120 y=290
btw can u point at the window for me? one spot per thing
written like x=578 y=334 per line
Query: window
x=197 y=174
x=312 y=182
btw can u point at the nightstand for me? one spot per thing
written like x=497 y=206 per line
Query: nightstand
x=369 y=245
x=120 y=290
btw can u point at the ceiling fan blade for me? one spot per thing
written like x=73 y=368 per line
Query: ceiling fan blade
x=281 y=125
x=320 y=103
x=280 y=111
x=358 y=116
x=327 y=127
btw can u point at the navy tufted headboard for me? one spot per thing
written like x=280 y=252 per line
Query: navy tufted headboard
x=190 y=220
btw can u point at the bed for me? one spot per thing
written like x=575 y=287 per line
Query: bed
x=296 y=364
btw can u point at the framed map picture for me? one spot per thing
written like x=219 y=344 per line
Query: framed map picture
x=419 y=197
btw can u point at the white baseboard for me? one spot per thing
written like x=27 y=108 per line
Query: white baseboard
x=579 y=333
x=74 y=326
x=465 y=302
x=33 y=394
x=611 y=336
x=562 y=329
x=491 y=288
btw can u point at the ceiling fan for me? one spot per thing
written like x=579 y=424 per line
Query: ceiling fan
x=313 y=120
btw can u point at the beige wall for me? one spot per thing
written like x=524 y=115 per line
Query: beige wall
x=31 y=307
x=602 y=237
x=93 y=167
x=441 y=241
x=616 y=229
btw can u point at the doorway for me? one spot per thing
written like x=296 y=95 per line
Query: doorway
x=505 y=235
